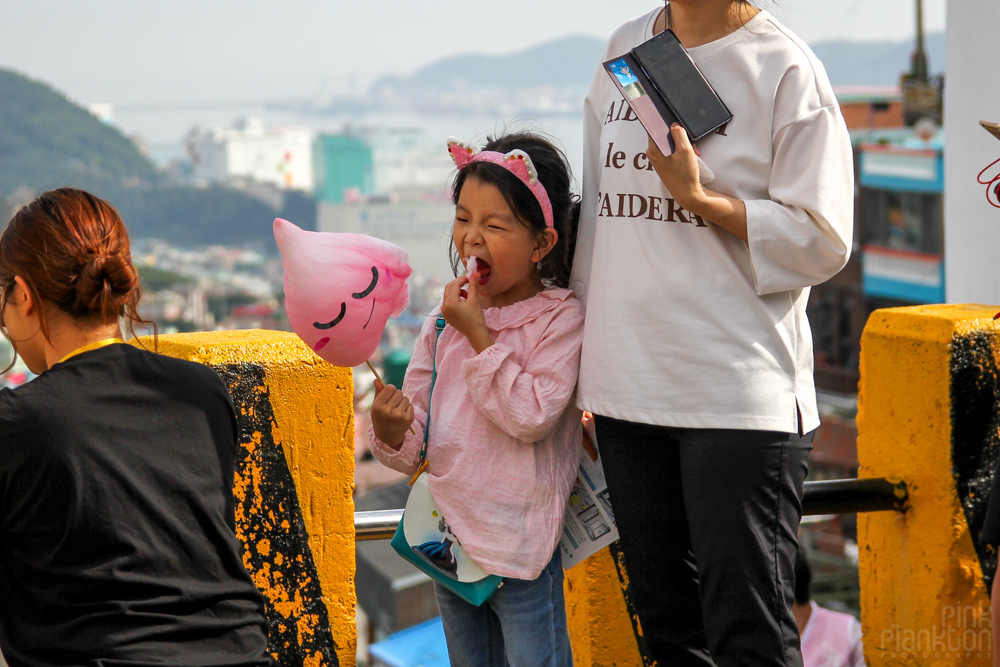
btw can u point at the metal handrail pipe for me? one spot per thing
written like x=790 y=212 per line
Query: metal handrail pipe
x=848 y=496
x=378 y=525
x=838 y=496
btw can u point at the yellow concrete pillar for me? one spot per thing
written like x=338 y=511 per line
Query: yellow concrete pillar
x=293 y=485
x=603 y=627
x=927 y=413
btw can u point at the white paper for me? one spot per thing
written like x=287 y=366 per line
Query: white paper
x=971 y=223
x=590 y=522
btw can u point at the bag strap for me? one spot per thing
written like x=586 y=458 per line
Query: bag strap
x=439 y=327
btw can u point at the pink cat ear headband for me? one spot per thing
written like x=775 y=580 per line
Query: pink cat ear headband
x=516 y=162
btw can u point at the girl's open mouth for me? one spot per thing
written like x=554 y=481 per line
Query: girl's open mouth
x=484 y=270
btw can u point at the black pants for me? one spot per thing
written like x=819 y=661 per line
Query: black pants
x=708 y=521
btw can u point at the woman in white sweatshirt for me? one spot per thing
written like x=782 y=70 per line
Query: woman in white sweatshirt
x=697 y=354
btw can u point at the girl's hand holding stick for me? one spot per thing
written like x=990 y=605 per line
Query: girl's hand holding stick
x=392 y=413
x=380 y=381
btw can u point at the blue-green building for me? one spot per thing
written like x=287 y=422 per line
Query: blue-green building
x=342 y=163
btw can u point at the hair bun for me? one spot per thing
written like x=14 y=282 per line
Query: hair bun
x=72 y=249
x=103 y=286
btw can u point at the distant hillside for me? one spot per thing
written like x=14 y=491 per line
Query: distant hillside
x=876 y=63
x=569 y=64
x=565 y=62
x=46 y=142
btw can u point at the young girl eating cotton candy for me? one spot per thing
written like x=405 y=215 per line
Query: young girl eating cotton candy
x=504 y=436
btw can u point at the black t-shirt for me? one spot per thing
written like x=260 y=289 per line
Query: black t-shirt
x=117 y=543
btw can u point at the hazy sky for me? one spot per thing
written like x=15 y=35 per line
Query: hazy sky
x=129 y=52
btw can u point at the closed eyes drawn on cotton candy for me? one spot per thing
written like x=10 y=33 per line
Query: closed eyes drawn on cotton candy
x=341 y=290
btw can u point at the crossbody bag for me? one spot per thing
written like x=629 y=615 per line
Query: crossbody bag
x=424 y=537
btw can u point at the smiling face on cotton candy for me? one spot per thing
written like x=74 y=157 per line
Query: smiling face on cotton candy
x=341 y=289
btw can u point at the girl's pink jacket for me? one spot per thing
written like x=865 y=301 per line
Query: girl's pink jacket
x=505 y=434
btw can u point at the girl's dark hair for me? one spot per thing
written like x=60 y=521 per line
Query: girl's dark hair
x=72 y=250
x=743 y=4
x=554 y=174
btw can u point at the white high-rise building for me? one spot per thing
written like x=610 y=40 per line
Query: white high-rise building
x=279 y=156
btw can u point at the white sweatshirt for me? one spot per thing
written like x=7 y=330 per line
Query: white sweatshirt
x=687 y=325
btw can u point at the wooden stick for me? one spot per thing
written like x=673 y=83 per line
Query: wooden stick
x=379 y=378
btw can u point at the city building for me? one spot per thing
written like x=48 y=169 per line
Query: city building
x=421 y=226
x=103 y=111
x=871 y=107
x=208 y=288
x=391 y=183
x=343 y=168
x=368 y=162
x=409 y=159
x=902 y=215
x=898 y=258
x=249 y=152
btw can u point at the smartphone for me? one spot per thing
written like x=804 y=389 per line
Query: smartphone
x=680 y=83
x=651 y=110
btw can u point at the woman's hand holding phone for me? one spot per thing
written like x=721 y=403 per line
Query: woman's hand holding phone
x=679 y=173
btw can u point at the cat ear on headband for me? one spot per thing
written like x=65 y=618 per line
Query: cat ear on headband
x=463 y=154
x=516 y=162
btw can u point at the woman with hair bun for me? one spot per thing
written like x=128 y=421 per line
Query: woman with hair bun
x=117 y=542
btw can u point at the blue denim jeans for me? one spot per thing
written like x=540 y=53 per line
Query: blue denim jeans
x=522 y=625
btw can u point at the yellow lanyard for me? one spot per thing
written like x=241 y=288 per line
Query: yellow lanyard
x=91 y=346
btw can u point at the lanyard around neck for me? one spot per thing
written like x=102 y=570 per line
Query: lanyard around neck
x=91 y=346
x=439 y=327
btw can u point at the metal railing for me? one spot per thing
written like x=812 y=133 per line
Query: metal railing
x=379 y=525
x=848 y=496
x=839 y=496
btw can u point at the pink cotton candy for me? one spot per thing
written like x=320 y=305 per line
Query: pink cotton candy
x=472 y=265
x=341 y=289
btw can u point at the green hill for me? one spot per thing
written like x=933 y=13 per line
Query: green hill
x=46 y=141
